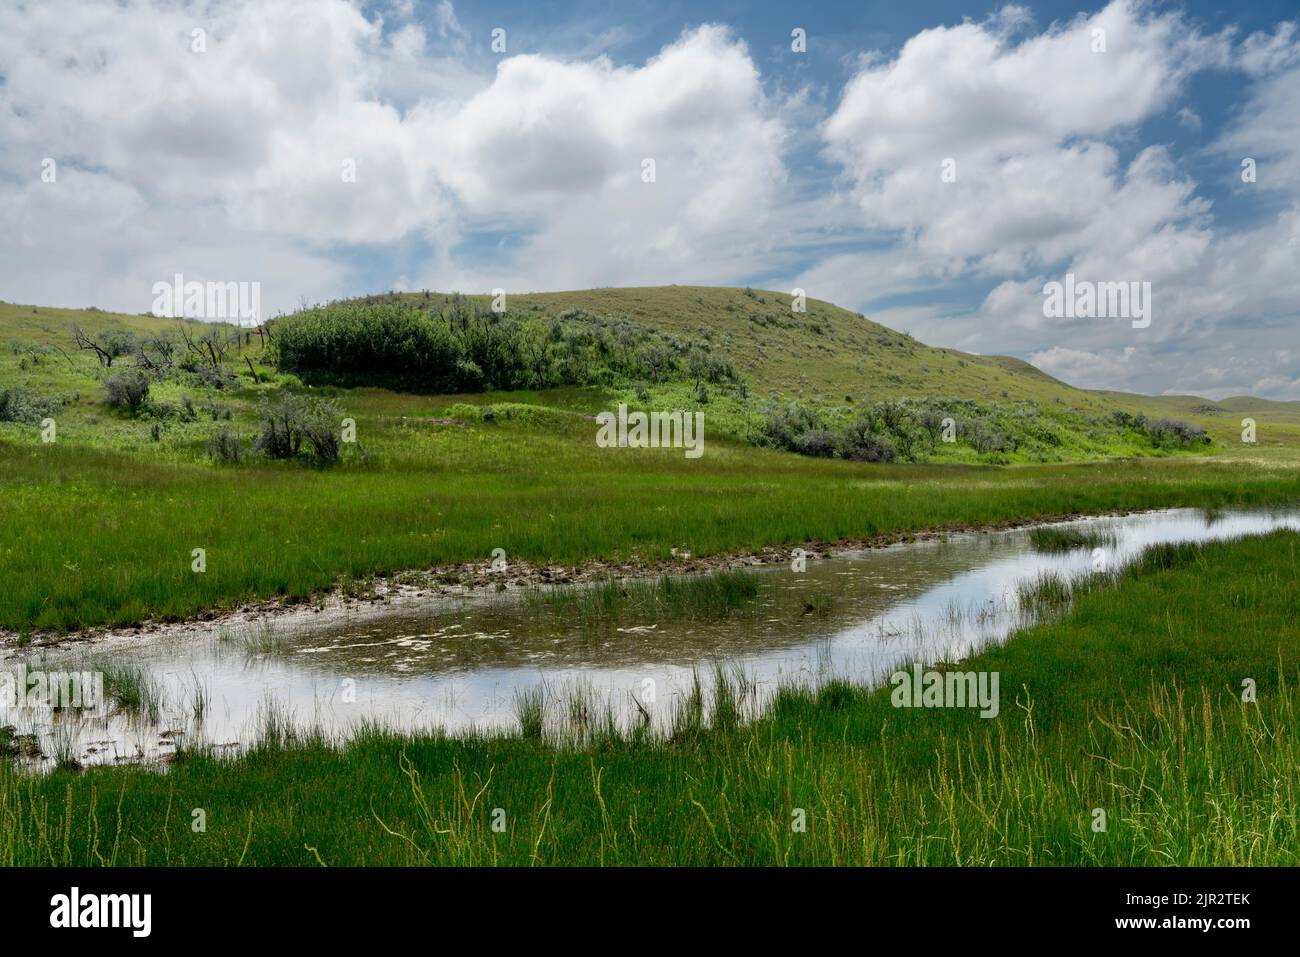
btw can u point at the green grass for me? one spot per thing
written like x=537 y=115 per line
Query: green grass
x=1055 y=539
x=95 y=537
x=1130 y=704
x=828 y=354
x=667 y=597
x=778 y=352
x=1044 y=593
x=133 y=690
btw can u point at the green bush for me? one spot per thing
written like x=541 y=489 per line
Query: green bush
x=226 y=445
x=462 y=349
x=127 y=390
x=912 y=430
x=18 y=404
x=1175 y=434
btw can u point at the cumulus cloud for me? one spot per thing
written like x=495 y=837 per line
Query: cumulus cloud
x=255 y=107
x=1040 y=132
x=663 y=171
x=1019 y=128
x=297 y=120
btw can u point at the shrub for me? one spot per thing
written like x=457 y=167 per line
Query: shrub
x=860 y=442
x=706 y=367
x=464 y=349
x=320 y=426
x=820 y=442
x=282 y=432
x=988 y=440
x=785 y=425
x=127 y=390
x=291 y=420
x=1175 y=434
x=118 y=342
x=18 y=404
x=212 y=376
x=225 y=445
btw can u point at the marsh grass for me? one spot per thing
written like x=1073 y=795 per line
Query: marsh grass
x=134 y=690
x=530 y=708
x=1056 y=538
x=200 y=699
x=107 y=516
x=668 y=597
x=253 y=640
x=292 y=534
x=1044 y=593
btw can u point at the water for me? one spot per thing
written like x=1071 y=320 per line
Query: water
x=464 y=663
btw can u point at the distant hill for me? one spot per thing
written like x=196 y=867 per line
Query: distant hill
x=826 y=354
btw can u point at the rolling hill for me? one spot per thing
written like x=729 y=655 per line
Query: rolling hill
x=826 y=355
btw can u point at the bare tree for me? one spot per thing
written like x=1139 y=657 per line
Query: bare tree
x=84 y=341
x=157 y=354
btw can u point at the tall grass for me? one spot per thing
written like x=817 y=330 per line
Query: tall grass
x=134 y=690
x=452 y=496
x=1054 y=538
x=1044 y=593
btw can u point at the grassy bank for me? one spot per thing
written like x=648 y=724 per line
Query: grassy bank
x=1131 y=705
x=95 y=537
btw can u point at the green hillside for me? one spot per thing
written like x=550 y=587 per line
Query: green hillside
x=828 y=354
x=824 y=353
x=825 y=356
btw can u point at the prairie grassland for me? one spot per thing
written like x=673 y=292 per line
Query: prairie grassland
x=99 y=527
x=94 y=537
x=1185 y=770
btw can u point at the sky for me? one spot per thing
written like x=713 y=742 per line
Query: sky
x=931 y=165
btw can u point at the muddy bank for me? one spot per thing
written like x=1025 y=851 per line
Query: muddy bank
x=481 y=581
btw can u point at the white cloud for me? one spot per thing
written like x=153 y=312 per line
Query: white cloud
x=560 y=147
x=260 y=127
x=1265 y=53
x=1022 y=125
x=260 y=121
x=1088 y=370
x=1037 y=128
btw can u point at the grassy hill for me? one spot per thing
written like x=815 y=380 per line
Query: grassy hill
x=822 y=354
x=825 y=356
x=830 y=355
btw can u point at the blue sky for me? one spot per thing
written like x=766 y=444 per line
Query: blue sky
x=212 y=138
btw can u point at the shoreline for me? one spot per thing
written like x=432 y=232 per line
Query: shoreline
x=413 y=589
